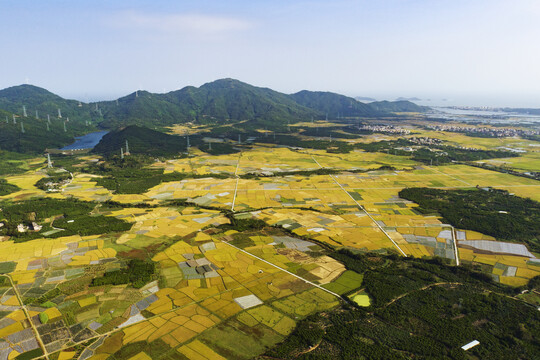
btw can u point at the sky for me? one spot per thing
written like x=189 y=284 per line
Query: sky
x=470 y=52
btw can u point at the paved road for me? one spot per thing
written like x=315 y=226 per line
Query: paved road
x=237 y=178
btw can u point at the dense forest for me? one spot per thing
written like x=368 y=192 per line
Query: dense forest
x=137 y=273
x=141 y=140
x=491 y=211
x=70 y=217
x=84 y=225
x=53 y=181
x=7 y=188
x=12 y=162
x=421 y=309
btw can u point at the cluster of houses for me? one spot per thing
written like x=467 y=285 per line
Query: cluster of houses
x=488 y=131
x=33 y=226
x=385 y=129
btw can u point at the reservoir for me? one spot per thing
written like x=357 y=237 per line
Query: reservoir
x=87 y=141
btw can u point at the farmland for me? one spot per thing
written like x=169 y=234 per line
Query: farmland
x=226 y=256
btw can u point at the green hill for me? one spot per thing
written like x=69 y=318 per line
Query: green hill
x=36 y=136
x=34 y=98
x=141 y=140
x=218 y=101
x=141 y=108
x=343 y=106
x=398 y=106
x=334 y=104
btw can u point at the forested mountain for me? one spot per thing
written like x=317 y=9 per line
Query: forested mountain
x=218 y=102
x=30 y=135
x=334 y=104
x=397 y=106
x=34 y=99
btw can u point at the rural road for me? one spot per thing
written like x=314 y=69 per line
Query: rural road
x=363 y=209
x=25 y=310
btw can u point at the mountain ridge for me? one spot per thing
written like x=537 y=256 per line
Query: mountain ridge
x=218 y=101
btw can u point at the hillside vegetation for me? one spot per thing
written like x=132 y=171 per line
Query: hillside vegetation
x=217 y=102
x=32 y=136
x=421 y=309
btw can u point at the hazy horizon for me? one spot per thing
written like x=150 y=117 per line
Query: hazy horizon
x=435 y=101
x=475 y=52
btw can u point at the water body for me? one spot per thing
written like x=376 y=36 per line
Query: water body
x=496 y=117
x=87 y=141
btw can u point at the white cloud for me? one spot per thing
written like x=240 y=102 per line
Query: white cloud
x=188 y=23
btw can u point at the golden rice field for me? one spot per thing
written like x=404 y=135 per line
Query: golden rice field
x=211 y=282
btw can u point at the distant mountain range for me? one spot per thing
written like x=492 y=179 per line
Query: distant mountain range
x=365 y=98
x=398 y=106
x=217 y=102
x=408 y=99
